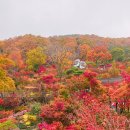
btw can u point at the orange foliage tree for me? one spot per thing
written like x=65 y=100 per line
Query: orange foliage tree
x=84 y=49
x=16 y=56
x=99 y=55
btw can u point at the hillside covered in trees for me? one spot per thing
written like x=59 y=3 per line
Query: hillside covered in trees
x=44 y=86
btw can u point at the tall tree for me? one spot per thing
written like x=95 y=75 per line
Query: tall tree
x=59 y=55
x=5 y=62
x=84 y=49
x=6 y=83
x=127 y=53
x=35 y=58
x=99 y=55
x=117 y=54
x=16 y=56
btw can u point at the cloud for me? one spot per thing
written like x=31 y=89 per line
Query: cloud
x=109 y=18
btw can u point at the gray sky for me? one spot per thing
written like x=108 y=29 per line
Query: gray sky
x=109 y=18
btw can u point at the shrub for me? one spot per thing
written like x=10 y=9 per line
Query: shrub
x=48 y=79
x=1 y=101
x=105 y=75
x=35 y=109
x=114 y=71
x=20 y=108
x=64 y=93
x=7 y=125
x=128 y=70
x=76 y=83
x=53 y=126
x=74 y=71
x=11 y=101
x=29 y=119
x=58 y=110
x=3 y=120
x=4 y=114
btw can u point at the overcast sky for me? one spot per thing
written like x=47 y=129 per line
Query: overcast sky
x=109 y=18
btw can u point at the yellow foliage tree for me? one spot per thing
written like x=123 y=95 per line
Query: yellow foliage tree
x=114 y=71
x=6 y=83
x=35 y=58
x=5 y=62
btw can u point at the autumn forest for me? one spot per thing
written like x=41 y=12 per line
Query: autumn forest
x=68 y=82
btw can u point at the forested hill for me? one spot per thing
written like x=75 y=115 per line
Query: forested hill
x=78 y=45
x=73 y=82
x=32 y=40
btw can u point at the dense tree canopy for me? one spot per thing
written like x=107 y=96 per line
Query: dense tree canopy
x=42 y=88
